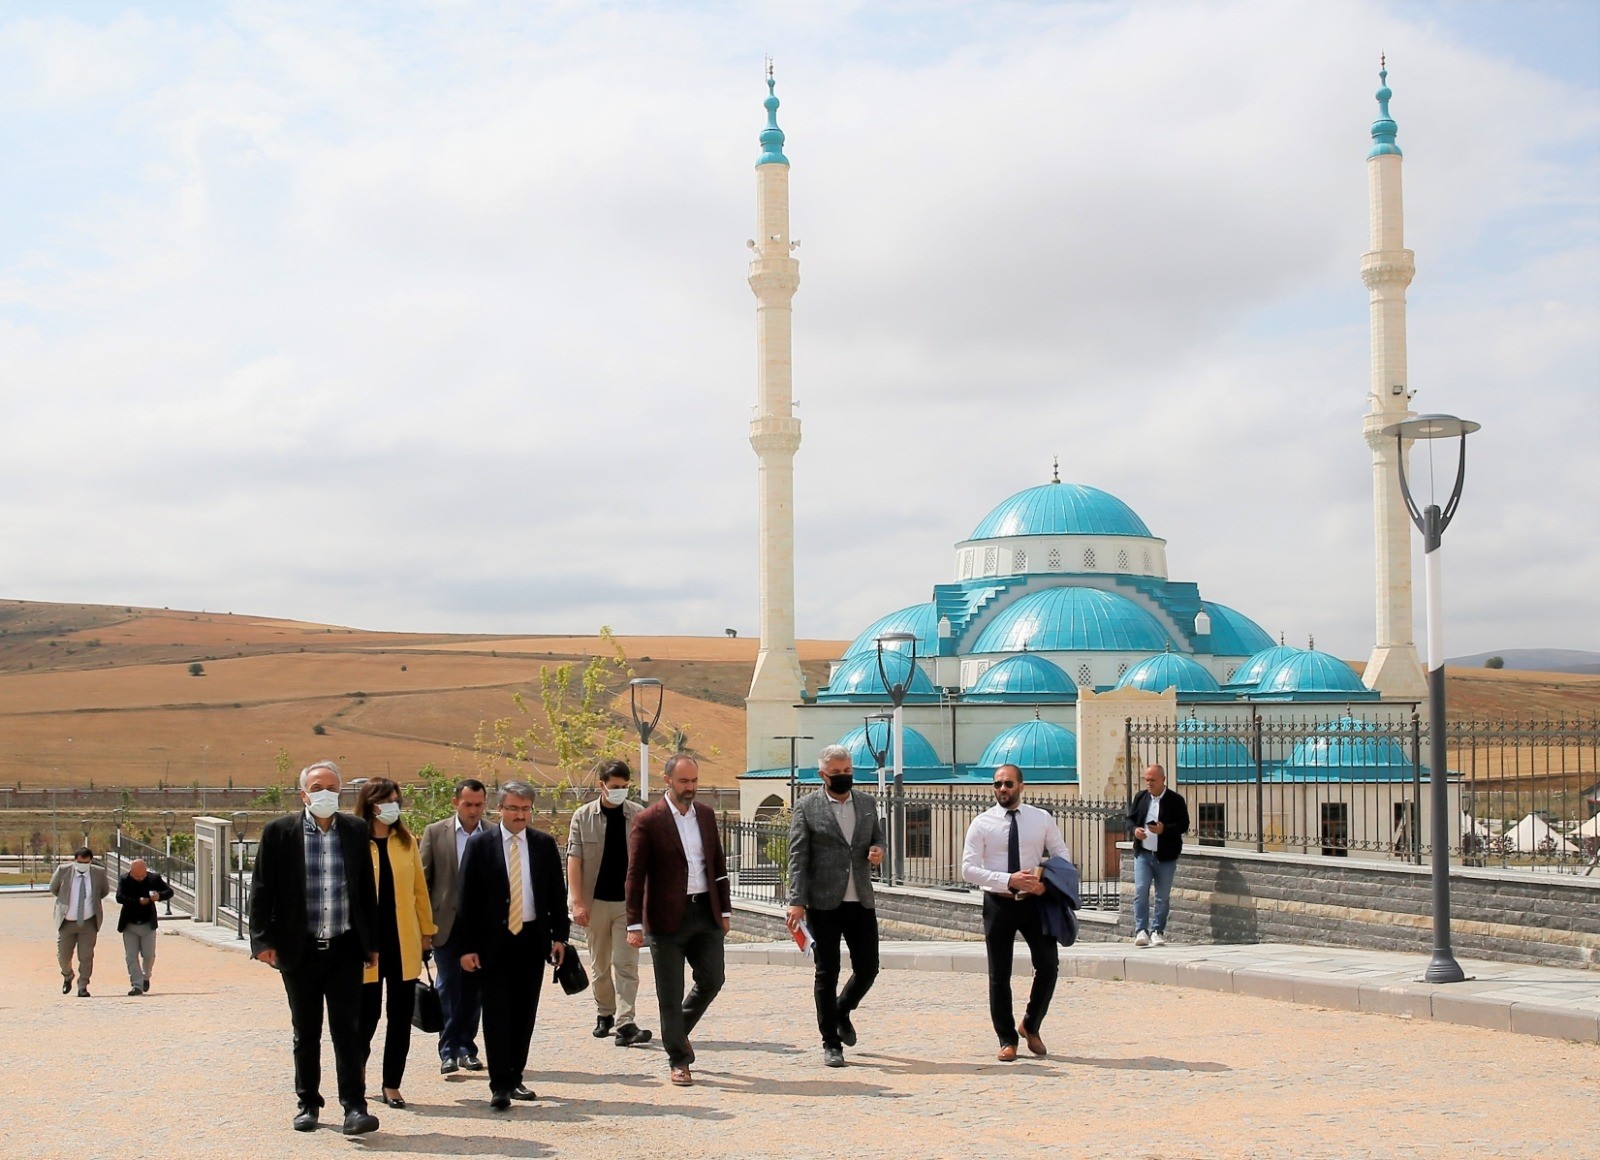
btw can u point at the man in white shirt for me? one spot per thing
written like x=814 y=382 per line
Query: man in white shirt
x=1157 y=819
x=1005 y=846
x=78 y=888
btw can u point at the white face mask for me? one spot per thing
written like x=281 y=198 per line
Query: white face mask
x=617 y=796
x=324 y=803
x=82 y=867
x=389 y=813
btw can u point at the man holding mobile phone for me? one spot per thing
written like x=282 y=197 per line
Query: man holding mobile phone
x=1158 y=819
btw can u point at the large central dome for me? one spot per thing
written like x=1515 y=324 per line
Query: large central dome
x=1061 y=509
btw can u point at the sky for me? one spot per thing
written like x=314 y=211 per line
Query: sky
x=434 y=316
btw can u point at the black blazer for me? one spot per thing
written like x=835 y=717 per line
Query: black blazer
x=132 y=893
x=278 y=888
x=484 y=903
x=1174 y=821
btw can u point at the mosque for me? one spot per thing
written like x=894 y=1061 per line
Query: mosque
x=1061 y=618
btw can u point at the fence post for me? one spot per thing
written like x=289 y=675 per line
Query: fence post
x=1127 y=756
x=898 y=838
x=1416 y=789
x=1255 y=746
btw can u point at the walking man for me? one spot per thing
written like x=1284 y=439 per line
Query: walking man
x=314 y=917
x=1005 y=846
x=678 y=893
x=78 y=888
x=597 y=881
x=835 y=838
x=511 y=919
x=1158 y=819
x=138 y=891
x=443 y=845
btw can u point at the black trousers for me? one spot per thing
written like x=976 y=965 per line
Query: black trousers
x=512 y=977
x=1003 y=920
x=858 y=926
x=397 y=1035
x=328 y=978
x=698 y=942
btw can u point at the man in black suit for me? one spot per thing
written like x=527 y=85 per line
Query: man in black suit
x=314 y=916
x=511 y=919
x=138 y=891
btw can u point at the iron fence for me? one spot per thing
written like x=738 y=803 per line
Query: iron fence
x=1521 y=794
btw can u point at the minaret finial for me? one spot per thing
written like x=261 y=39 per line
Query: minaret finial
x=771 y=136
x=1055 y=469
x=1384 y=128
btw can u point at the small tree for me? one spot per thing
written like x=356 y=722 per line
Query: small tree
x=1495 y=663
x=196 y=669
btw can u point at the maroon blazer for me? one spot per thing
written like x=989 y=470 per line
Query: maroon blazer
x=658 y=872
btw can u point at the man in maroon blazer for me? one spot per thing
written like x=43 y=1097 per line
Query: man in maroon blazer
x=678 y=893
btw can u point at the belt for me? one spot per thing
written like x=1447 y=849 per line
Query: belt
x=701 y=897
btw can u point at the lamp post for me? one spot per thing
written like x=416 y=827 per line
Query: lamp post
x=83 y=823
x=168 y=817
x=646 y=716
x=897 y=691
x=794 y=762
x=240 y=821
x=880 y=755
x=1431 y=521
x=119 y=815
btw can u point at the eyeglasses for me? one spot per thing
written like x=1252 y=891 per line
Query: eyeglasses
x=1004 y=784
x=516 y=809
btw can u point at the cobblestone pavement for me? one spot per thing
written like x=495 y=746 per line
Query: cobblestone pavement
x=201 y=1067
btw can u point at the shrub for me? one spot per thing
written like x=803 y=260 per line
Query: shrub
x=319 y=729
x=1495 y=663
x=196 y=669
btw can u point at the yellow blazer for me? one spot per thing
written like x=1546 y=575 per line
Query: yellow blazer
x=414 y=914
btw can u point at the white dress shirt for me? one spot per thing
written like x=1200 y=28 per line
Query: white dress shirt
x=984 y=855
x=694 y=850
x=1154 y=815
x=82 y=907
x=462 y=834
x=507 y=837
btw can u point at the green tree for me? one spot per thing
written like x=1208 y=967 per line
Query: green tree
x=429 y=798
x=1495 y=663
x=196 y=669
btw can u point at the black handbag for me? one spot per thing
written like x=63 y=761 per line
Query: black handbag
x=570 y=974
x=427 y=1013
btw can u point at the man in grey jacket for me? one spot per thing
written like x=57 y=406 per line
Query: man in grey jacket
x=835 y=838
x=78 y=888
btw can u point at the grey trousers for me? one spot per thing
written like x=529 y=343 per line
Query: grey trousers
x=139 y=942
x=80 y=936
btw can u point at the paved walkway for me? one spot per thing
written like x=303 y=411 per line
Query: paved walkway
x=201 y=1067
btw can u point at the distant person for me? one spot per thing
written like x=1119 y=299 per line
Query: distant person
x=597 y=880
x=835 y=838
x=405 y=931
x=460 y=996
x=678 y=894
x=314 y=917
x=1005 y=846
x=1158 y=819
x=511 y=920
x=138 y=891
x=78 y=888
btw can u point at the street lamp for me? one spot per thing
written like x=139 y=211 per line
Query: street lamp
x=240 y=821
x=119 y=815
x=641 y=692
x=897 y=691
x=1431 y=521
x=168 y=817
x=794 y=740
x=84 y=823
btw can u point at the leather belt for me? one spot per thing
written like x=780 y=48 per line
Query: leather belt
x=701 y=897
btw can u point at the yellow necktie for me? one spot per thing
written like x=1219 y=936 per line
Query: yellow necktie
x=514 y=869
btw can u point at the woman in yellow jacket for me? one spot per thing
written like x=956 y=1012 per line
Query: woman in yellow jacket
x=405 y=930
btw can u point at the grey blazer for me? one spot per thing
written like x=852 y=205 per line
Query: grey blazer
x=440 y=871
x=820 y=863
x=61 y=887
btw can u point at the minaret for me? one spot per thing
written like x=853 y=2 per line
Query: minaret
x=1386 y=268
x=776 y=687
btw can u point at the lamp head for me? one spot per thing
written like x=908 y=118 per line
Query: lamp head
x=1431 y=427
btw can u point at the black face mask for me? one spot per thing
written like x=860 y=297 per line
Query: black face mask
x=840 y=782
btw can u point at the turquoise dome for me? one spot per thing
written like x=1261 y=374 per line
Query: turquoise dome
x=1167 y=671
x=1249 y=674
x=858 y=679
x=1033 y=746
x=1348 y=750
x=1310 y=673
x=1061 y=509
x=1207 y=751
x=1233 y=634
x=1068 y=619
x=920 y=619
x=919 y=753
x=1024 y=677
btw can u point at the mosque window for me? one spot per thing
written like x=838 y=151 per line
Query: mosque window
x=1147 y=561
x=1122 y=670
x=990 y=561
x=1085 y=677
x=1054 y=560
x=1088 y=557
x=966 y=565
x=1122 y=561
x=1231 y=670
x=1019 y=562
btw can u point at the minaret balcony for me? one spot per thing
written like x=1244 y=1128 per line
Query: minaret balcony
x=1384 y=268
x=775 y=433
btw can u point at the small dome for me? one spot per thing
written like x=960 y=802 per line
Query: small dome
x=1310 y=672
x=1168 y=671
x=1249 y=674
x=1207 y=751
x=858 y=678
x=1233 y=634
x=1061 y=509
x=1069 y=619
x=1033 y=746
x=1024 y=677
x=919 y=619
x=919 y=753
x=1358 y=750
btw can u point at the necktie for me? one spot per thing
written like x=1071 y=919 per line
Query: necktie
x=514 y=869
x=83 y=897
x=1013 y=847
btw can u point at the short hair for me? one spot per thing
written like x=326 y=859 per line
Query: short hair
x=678 y=759
x=1011 y=765
x=83 y=852
x=833 y=753
x=519 y=789
x=612 y=767
x=305 y=774
x=470 y=783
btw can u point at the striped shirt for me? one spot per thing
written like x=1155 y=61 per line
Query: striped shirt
x=327 y=898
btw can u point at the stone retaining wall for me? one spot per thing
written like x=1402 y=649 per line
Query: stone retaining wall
x=909 y=913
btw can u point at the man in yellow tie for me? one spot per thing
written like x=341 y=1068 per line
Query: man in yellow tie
x=511 y=921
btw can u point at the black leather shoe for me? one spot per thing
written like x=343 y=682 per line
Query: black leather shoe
x=500 y=1101
x=847 y=1029
x=448 y=1065
x=523 y=1093
x=306 y=1121
x=358 y=1122
x=629 y=1034
x=146 y=987
x=136 y=990
x=66 y=986
x=83 y=992
x=602 y=1026
x=471 y=1062
x=391 y=1101
x=833 y=1056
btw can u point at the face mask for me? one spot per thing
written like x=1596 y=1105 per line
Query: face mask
x=83 y=867
x=840 y=782
x=389 y=813
x=324 y=803
x=617 y=796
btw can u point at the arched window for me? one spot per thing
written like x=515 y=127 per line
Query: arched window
x=1147 y=561
x=1019 y=562
x=966 y=564
x=1088 y=557
x=989 y=561
x=1053 y=561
